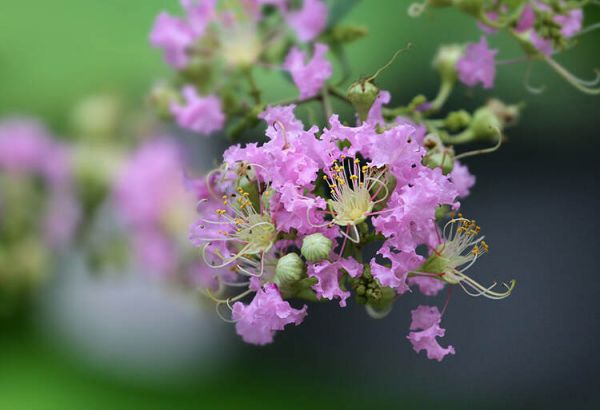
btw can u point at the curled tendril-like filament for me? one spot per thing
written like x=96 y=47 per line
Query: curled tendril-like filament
x=484 y=150
x=582 y=85
x=527 y=82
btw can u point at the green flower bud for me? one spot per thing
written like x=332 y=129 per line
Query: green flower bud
x=439 y=159
x=348 y=33
x=445 y=61
x=362 y=95
x=289 y=270
x=97 y=117
x=457 y=120
x=161 y=98
x=485 y=124
x=316 y=247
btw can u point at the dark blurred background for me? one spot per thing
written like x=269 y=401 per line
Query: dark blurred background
x=536 y=200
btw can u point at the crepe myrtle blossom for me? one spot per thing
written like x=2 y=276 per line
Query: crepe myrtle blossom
x=231 y=32
x=311 y=76
x=151 y=199
x=309 y=21
x=201 y=114
x=477 y=65
x=288 y=219
x=28 y=150
x=425 y=329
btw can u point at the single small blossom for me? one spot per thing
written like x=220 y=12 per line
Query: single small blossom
x=24 y=145
x=308 y=77
x=257 y=322
x=463 y=180
x=329 y=275
x=395 y=275
x=477 y=65
x=309 y=21
x=543 y=45
x=427 y=286
x=526 y=20
x=174 y=36
x=202 y=114
x=426 y=329
x=571 y=23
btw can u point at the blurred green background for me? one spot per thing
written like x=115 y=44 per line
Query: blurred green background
x=53 y=53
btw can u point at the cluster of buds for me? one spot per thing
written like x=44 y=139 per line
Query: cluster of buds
x=543 y=28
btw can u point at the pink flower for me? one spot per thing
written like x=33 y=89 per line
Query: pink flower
x=174 y=36
x=202 y=114
x=543 y=45
x=309 y=77
x=570 y=23
x=24 y=145
x=410 y=220
x=257 y=322
x=199 y=14
x=493 y=16
x=427 y=286
x=27 y=148
x=329 y=275
x=425 y=323
x=477 y=65
x=150 y=197
x=463 y=180
x=395 y=275
x=375 y=113
x=526 y=20
x=309 y=21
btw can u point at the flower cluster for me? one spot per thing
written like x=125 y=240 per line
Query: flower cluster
x=34 y=170
x=214 y=48
x=292 y=218
x=543 y=28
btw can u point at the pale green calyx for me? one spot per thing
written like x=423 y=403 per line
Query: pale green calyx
x=446 y=59
x=316 y=247
x=290 y=269
x=362 y=94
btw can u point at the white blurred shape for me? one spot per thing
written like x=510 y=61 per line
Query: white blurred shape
x=131 y=327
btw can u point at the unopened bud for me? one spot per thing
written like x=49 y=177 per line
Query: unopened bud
x=457 y=120
x=161 y=98
x=485 y=124
x=348 y=33
x=446 y=59
x=362 y=94
x=316 y=247
x=441 y=159
x=289 y=270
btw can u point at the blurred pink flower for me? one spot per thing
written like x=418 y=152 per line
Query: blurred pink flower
x=477 y=65
x=309 y=77
x=309 y=21
x=202 y=114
